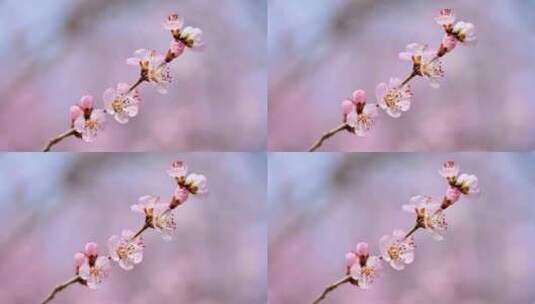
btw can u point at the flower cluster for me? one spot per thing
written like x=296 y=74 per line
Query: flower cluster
x=398 y=248
x=395 y=96
x=122 y=101
x=127 y=249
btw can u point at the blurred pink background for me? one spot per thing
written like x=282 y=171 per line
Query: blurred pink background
x=51 y=205
x=321 y=51
x=53 y=52
x=321 y=205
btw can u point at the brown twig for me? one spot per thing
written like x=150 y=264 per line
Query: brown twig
x=326 y=136
x=59 y=138
x=61 y=287
x=332 y=287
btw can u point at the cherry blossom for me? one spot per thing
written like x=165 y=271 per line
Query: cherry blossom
x=158 y=215
x=464 y=32
x=430 y=215
x=126 y=250
x=359 y=115
x=393 y=98
x=449 y=169
x=366 y=273
x=178 y=170
x=174 y=23
x=196 y=183
x=192 y=37
x=153 y=68
x=397 y=250
x=445 y=18
x=468 y=184
x=89 y=126
x=95 y=268
x=122 y=103
x=425 y=62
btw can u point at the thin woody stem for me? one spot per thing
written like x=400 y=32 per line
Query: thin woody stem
x=135 y=85
x=59 y=138
x=332 y=287
x=326 y=136
x=145 y=227
x=412 y=231
x=61 y=287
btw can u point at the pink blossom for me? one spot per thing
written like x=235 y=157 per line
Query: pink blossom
x=196 y=183
x=125 y=250
x=154 y=67
x=365 y=274
x=362 y=249
x=86 y=102
x=178 y=169
x=464 y=32
x=90 y=127
x=93 y=268
x=450 y=169
x=468 y=184
x=93 y=271
x=347 y=107
x=75 y=112
x=393 y=98
x=359 y=96
x=91 y=249
x=350 y=259
x=433 y=218
x=446 y=17
x=362 y=119
x=173 y=23
x=79 y=260
x=158 y=215
x=425 y=62
x=121 y=102
x=192 y=37
x=164 y=221
x=397 y=250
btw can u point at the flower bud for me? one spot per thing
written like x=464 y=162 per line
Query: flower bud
x=86 y=102
x=359 y=96
x=362 y=249
x=75 y=112
x=347 y=106
x=91 y=249
x=351 y=259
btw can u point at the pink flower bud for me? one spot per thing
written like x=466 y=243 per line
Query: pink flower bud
x=79 y=259
x=351 y=259
x=347 y=106
x=181 y=194
x=91 y=249
x=86 y=102
x=359 y=96
x=75 y=112
x=453 y=194
x=362 y=249
x=449 y=42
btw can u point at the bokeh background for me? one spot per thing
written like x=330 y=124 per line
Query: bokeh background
x=321 y=205
x=52 y=52
x=321 y=51
x=51 y=205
